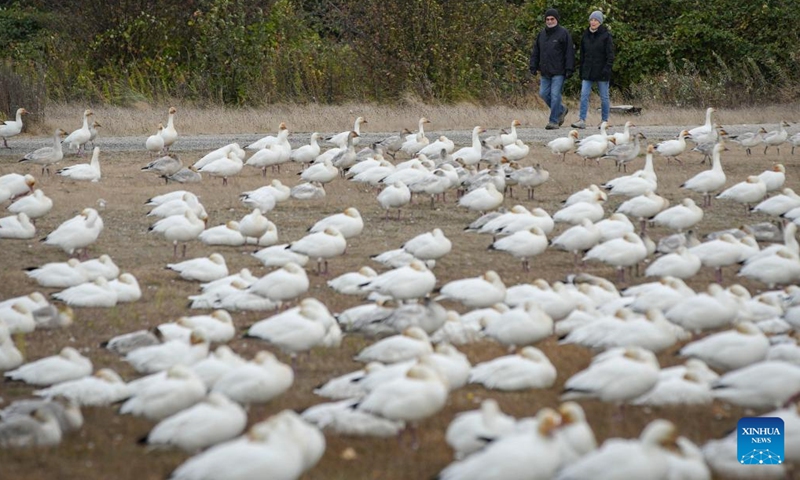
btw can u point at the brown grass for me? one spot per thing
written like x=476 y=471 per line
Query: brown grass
x=106 y=446
x=144 y=119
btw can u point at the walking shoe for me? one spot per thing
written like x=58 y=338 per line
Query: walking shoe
x=551 y=126
x=579 y=124
x=564 y=112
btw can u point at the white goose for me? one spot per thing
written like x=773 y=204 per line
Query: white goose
x=257 y=381
x=34 y=206
x=69 y=364
x=9 y=128
x=103 y=388
x=322 y=245
x=267 y=140
x=306 y=153
x=254 y=225
x=165 y=395
x=209 y=422
x=404 y=283
x=477 y=292
x=96 y=293
x=782 y=267
x=396 y=195
x=322 y=172
x=412 y=343
x=272 y=155
x=10 y=356
x=578 y=238
x=164 y=356
x=225 y=167
x=767 y=384
x=47 y=156
x=732 y=349
x=705 y=129
x=353 y=283
x=219 y=153
x=680 y=217
x=530 y=177
x=340 y=139
x=472 y=430
x=618 y=375
x=178 y=206
x=155 y=143
x=708 y=181
x=17 y=226
x=428 y=246
x=227 y=234
x=281 y=285
x=563 y=145
x=774 y=178
x=530 y=368
x=279 y=255
x=169 y=133
x=471 y=155
x=414 y=142
x=202 y=269
x=750 y=191
x=79 y=137
x=670 y=149
x=523 y=244
x=76 y=233
x=38 y=429
x=681 y=264
x=482 y=199
x=349 y=223
x=643 y=207
x=84 y=171
x=591 y=209
x=58 y=274
x=180 y=228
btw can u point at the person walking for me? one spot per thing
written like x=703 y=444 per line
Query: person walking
x=553 y=56
x=597 y=58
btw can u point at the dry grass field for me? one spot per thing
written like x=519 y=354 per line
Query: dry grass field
x=106 y=446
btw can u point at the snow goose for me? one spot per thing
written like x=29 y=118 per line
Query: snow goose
x=530 y=178
x=602 y=137
x=10 y=356
x=750 y=191
x=343 y=418
x=272 y=155
x=102 y=266
x=471 y=155
x=670 y=149
x=625 y=251
x=531 y=454
x=221 y=152
x=779 y=204
x=307 y=153
x=78 y=138
x=625 y=459
x=795 y=141
x=227 y=234
x=418 y=395
x=766 y=384
x=185 y=175
x=618 y=375
x=782 y=267
x=593 y=150
x=155 y=143
x=705 y=129
x=180 y=228
x=516 y=151
x=9 y=128
x=69 y=364
x=578 y=238
x=404 y=283
x=708 y=310
x=523 y=244
x=178 y=206
x=258 y=381
x=281 y=285
x=775 y=138
x=103 y=388
x=84 y=171
x=58 y=274
x=525 y=324
x=17 y=226
x=165 y=166
x=643 y=207
x=225 y=167
x=76 y=233
x=206 y=423
x=165 y=395
x=323 y=172
x=591 y=209
x=624 y=136
x=396 y=195
x=476 y=292
x=202 y=269
x=563 y=145
x=414 y=142
x=267 y=140
x=47 y=156
x=428 y=246
x=34 y=206
x=412 y=343
x=680 y=217
x=322 y=245
x=169 y=133
x=126 y=288
x=615 y=226
x=584 y=195
x=340 y=139
x=681 y=264
x=749 y=140
x=730 y=350
x=352 y=283
x=575 y=436
x=708 y=181
x=279 y=255
x=349 y=223
x=17 y=317
x=14 y=185
x=721 y=252
x=160 y=357
x=687 y=388
x=39 y=429
x=482 y=199
x=68 y=414
x=254 y=225
x=774 y=178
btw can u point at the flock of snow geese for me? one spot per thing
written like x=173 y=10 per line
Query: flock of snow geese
x=198 y=395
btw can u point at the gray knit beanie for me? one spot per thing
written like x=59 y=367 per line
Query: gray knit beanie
x=597 y=15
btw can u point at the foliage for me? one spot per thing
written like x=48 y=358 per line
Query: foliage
x=252 y=52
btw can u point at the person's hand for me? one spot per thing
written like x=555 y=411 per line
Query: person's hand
x=606 y=73
x=569 y=73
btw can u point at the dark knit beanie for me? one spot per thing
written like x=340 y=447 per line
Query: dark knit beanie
x=551 y=12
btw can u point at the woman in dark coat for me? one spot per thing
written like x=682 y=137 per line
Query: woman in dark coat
x=597 y=58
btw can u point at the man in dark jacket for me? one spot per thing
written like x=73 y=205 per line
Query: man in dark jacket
x=553 y=56
x=597 y=58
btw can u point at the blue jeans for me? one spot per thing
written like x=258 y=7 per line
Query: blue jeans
x=550 y=91
x=602 y=90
